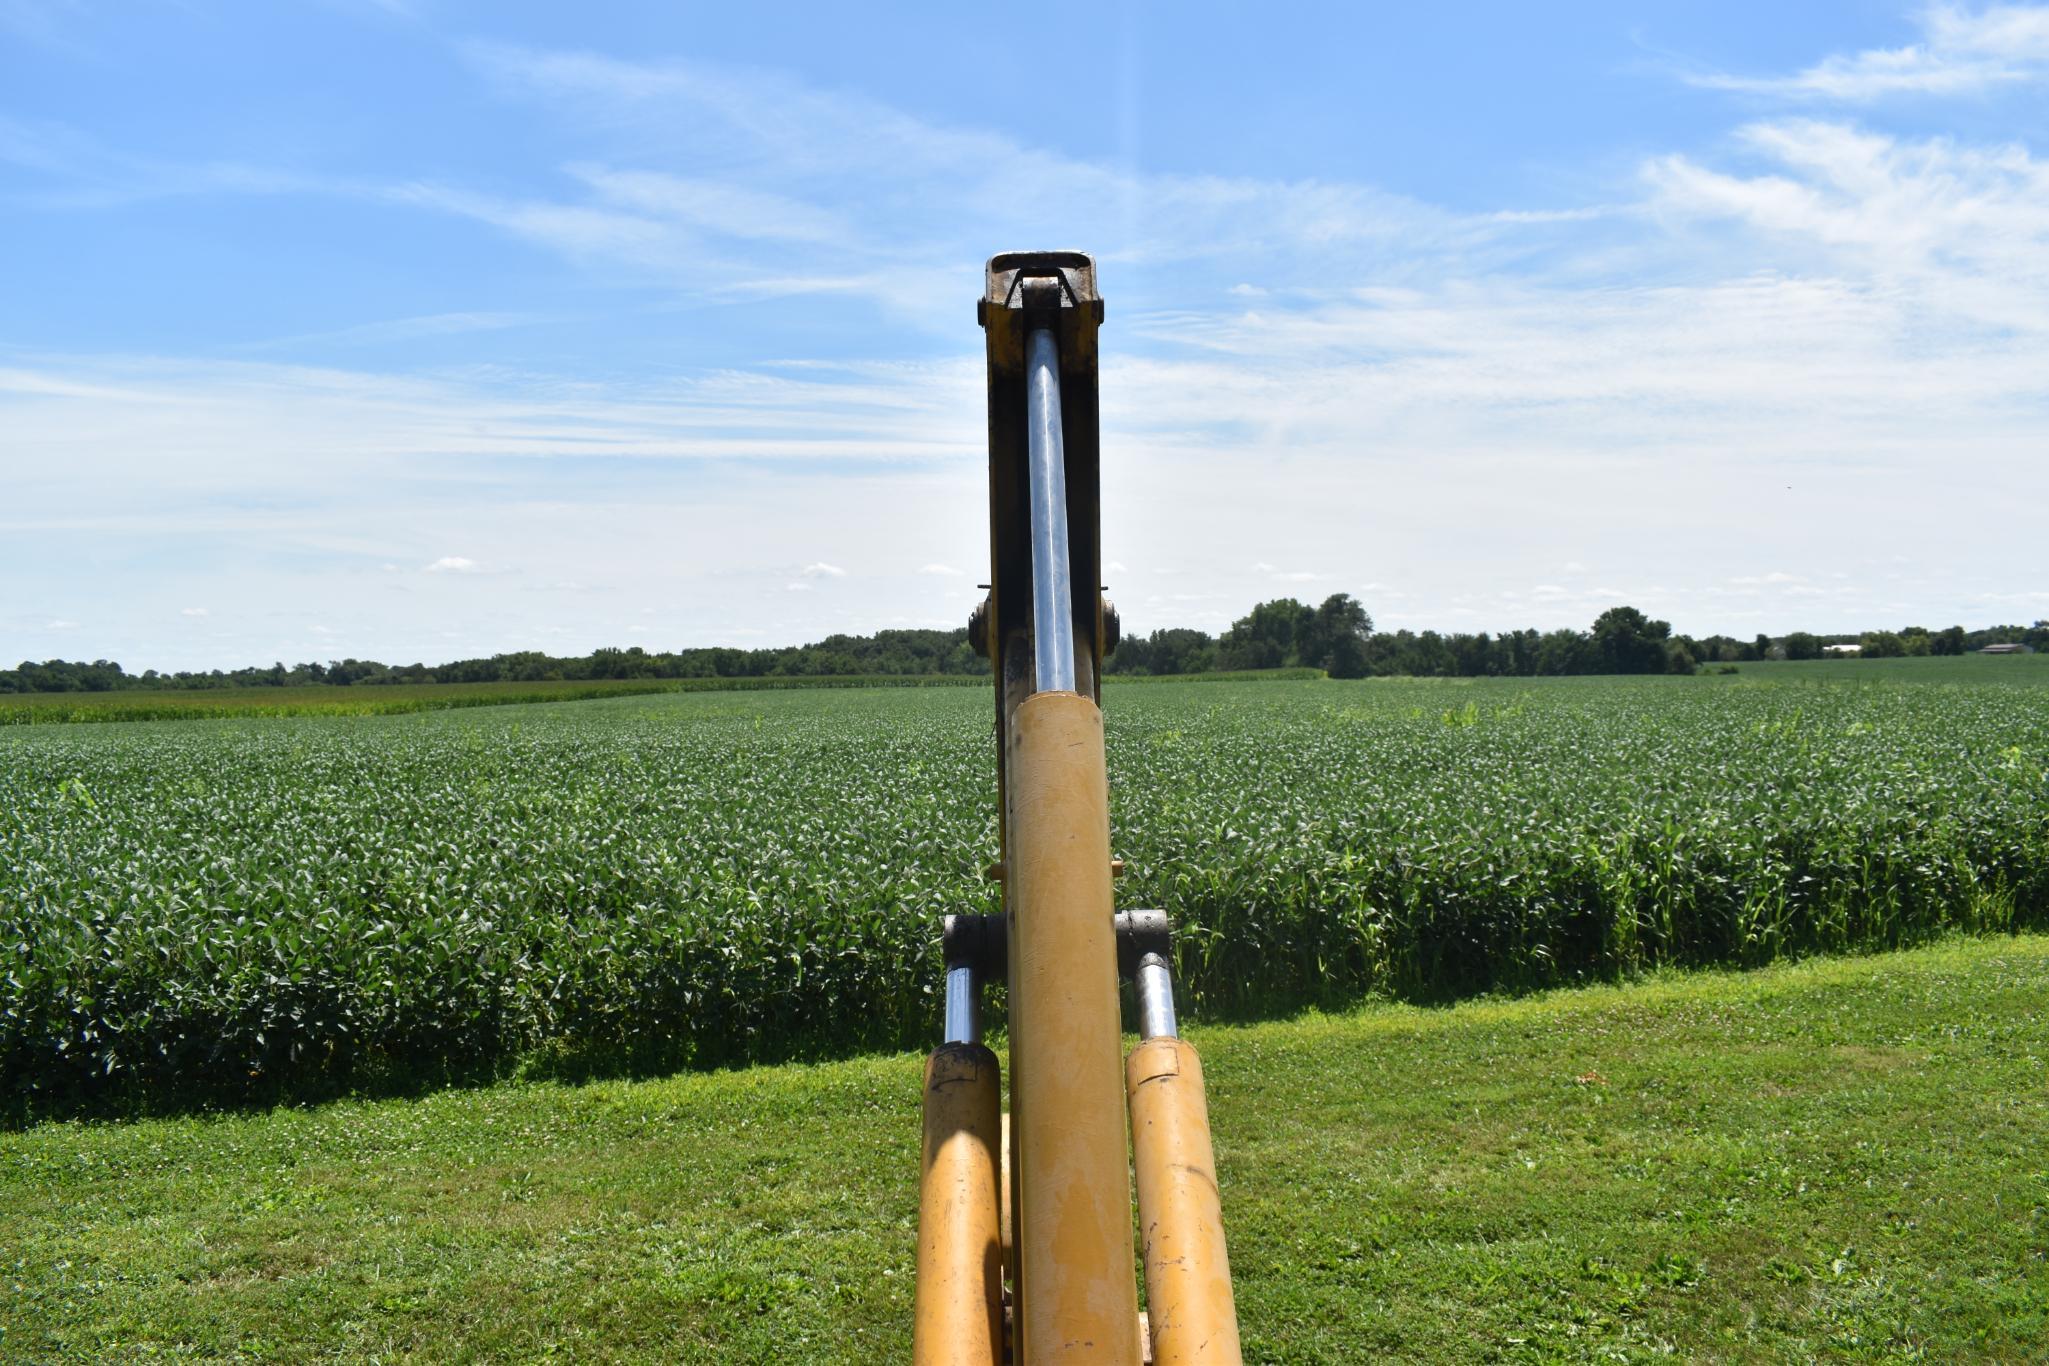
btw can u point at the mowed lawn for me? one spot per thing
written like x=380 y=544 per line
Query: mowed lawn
x=1840 y=1158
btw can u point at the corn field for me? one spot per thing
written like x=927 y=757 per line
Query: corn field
x=211 y=910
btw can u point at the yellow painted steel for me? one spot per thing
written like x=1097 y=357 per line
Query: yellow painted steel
x=1180 y=1215
x=1075 y=1298
x=1003 y=1188
x=959 y=1303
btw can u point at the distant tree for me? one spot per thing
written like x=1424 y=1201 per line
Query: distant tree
x=1133 y=655
x=1519 y=652
x=1916 y=641
x=1627 y=642
x=1761 y=648
x=1564 y=652
x=1347 y=658
x=1389 y=652
x=1802 y=645
x=1180 y=650
x=1679 y=659
x=1267 y=637
x=1880 y=645
x=1948 y=641
x=1472 y=656
x=1434 y=657
x=1335 y=637
x=1172 y=650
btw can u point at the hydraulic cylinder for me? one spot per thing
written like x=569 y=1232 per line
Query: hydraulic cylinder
x=959 y=1302
x=1189 y=1309
x=1077 y=1300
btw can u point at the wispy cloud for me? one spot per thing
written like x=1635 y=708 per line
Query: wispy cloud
x=816 y=186
x=1965 y=228
x=72 y=169
x=1961 y=52
x=403 y=329
x=453 y=564
x=209 y=423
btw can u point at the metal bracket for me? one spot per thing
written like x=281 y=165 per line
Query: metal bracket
x=982 y=942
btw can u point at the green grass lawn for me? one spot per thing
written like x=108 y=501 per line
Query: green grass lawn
x=1843 y=1158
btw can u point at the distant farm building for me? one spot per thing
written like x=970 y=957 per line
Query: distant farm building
x=1842 y=649
x=2013 y=649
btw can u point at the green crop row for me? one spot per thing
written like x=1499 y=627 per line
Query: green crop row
x=225 y=909
x=397 y=699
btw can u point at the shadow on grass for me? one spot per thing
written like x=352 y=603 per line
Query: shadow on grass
x=218 y=1070
x=565 y=1061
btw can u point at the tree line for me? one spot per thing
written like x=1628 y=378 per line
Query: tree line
x=897 y=652
x=1338 y=637
x=1335 y=635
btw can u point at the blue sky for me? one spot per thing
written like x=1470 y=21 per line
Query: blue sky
x=416 y=330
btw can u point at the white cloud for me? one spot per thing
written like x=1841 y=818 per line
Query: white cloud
x=1277 y=575
x=453 y=564
x=61 y=625
x=940 y=571
x=192 y=612
x=819 y=569
x=1961 y=52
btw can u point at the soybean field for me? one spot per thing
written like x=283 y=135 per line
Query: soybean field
x=213 y=910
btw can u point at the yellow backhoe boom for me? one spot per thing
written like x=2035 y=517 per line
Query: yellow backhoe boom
x=1025 y=1247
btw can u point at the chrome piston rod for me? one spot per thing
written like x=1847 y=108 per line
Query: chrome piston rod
x=1052 y=572
x=963 y=1004
x=1155 y=990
